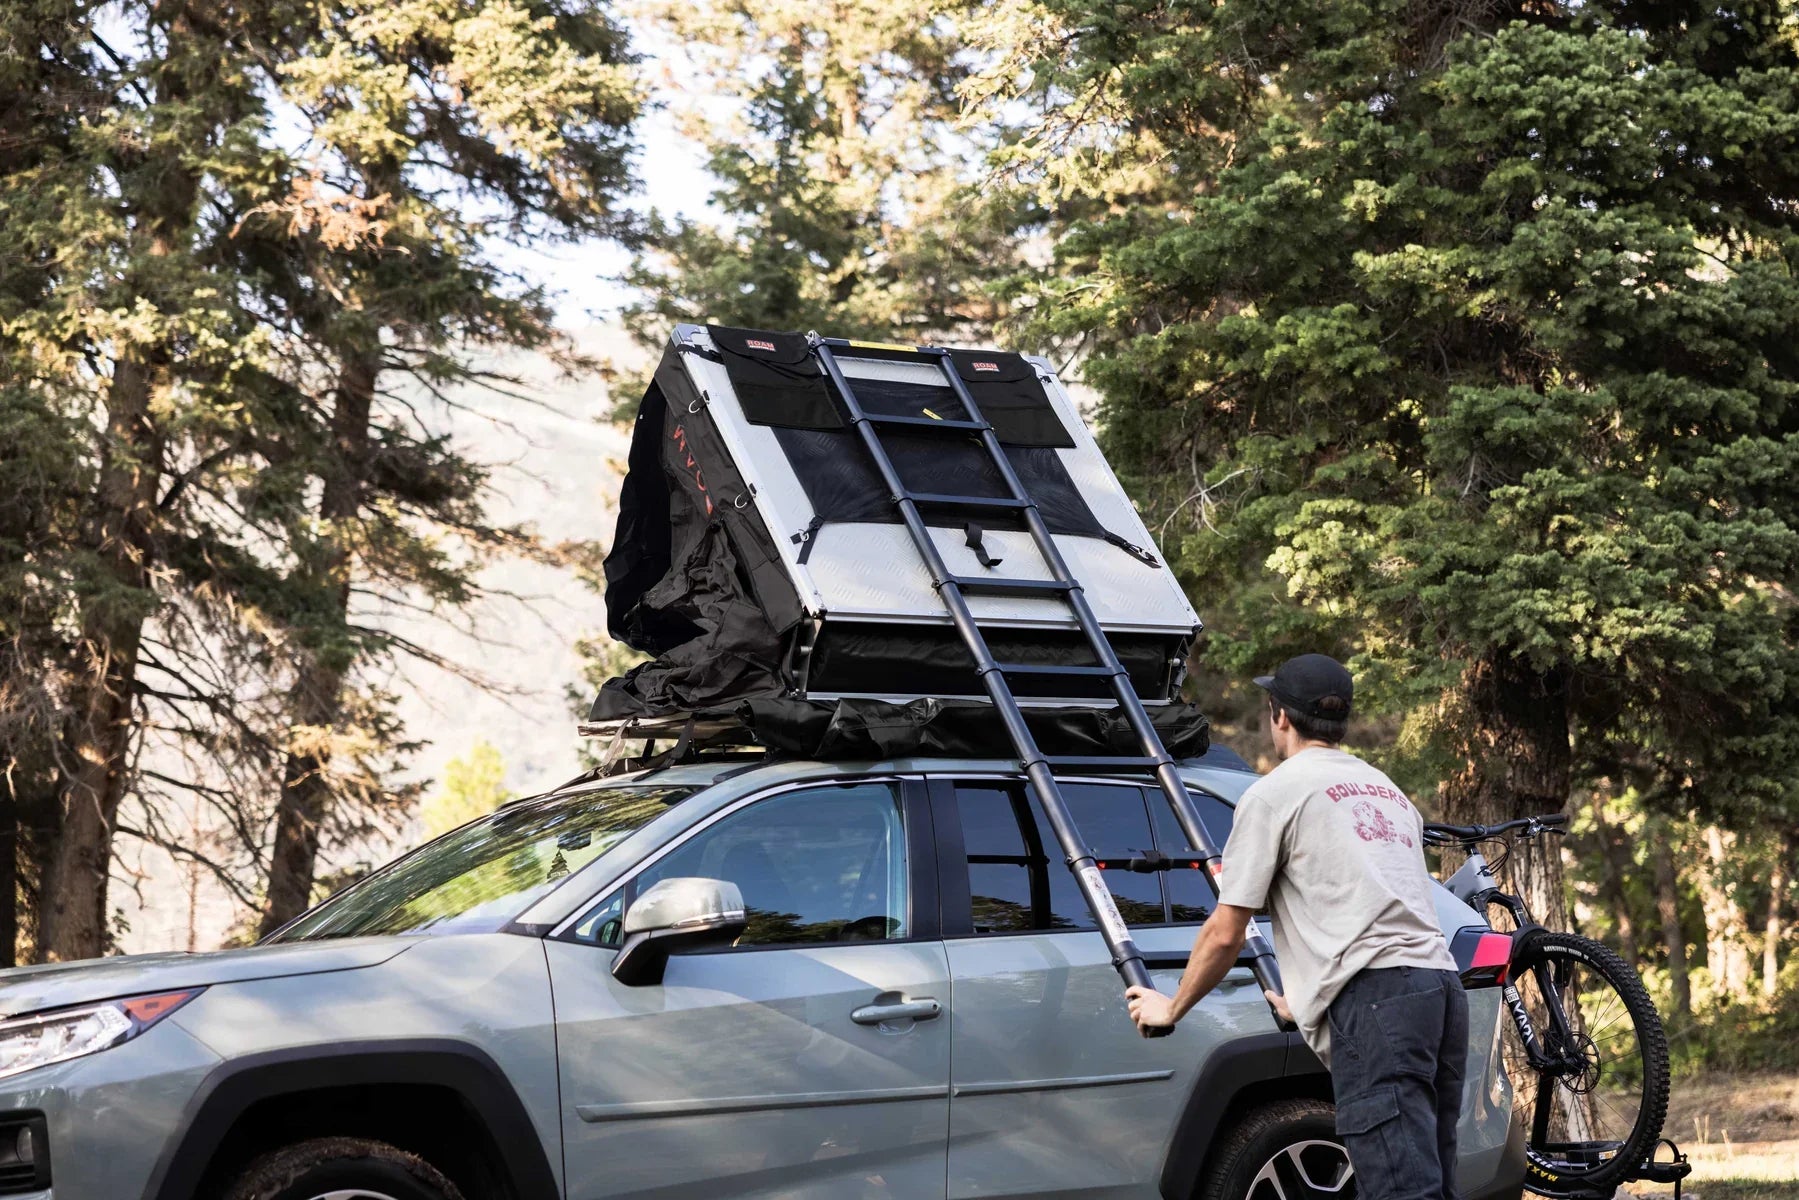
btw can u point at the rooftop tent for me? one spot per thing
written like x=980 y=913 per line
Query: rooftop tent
x=759 y=556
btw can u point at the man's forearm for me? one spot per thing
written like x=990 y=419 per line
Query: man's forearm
x=1214 y=953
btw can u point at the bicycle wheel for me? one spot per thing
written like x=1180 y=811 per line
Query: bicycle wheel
x=1593 y=1105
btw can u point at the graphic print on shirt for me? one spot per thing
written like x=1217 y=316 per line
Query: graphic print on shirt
x=1373 y=825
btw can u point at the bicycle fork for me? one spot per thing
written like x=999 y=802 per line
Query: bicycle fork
x=1561 y=1033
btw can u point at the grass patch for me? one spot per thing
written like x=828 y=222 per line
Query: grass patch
x=1741 y=1133
x=1759 y=1171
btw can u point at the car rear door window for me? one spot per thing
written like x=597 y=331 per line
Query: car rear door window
x=1007 y=884
x=1190 y=896
x=1113 y=821
x=1017 y=879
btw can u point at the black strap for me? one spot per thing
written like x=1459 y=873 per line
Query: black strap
x=1133 y=549
x=701 y=351
x=1150 y=861
x=674 y=754
x=974 y=533
x=807 y=537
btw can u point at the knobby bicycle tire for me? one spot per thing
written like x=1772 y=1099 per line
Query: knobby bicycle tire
x=1557 y=1168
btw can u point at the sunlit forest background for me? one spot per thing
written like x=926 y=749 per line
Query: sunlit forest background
x=1454 y=337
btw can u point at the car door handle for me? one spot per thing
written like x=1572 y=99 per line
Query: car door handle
x=922 y=1009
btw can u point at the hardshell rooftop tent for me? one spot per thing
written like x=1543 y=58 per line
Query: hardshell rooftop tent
x=760 y=560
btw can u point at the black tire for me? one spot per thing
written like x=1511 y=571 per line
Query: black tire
x=326 y=1166
x=1288 y=1148
x=1603 y=1120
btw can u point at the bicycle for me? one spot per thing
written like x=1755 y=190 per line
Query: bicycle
x=1594 y=1080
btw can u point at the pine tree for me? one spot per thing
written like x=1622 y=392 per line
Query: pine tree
x=209 y=337
x=135 y=343
x=474 y=784
x=849 y=193
x=847 y=184
x=1458 y=339
x=44 y=93
x=523 y=124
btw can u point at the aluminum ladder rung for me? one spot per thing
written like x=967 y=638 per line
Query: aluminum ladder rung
x=931 y=423
x=943 y=500
x=1010 y=668
x=1103 y=762
x=974 y=585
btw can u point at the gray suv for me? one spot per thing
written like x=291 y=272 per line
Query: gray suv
x=732 y=977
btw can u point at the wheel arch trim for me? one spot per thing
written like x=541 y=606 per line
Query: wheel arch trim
x=233 y=1087
x=1227 y=1072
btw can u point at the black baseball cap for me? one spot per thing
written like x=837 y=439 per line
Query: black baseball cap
x=1316 y=685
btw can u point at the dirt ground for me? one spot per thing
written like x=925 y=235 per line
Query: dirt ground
x=1741 y=1133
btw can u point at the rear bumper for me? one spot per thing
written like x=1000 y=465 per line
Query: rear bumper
x=1507 y=1182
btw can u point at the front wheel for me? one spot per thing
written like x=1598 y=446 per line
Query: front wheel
x=341 y=1169
x=1588 y=1061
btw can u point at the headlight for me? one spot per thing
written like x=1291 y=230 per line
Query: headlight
x=30 y=1042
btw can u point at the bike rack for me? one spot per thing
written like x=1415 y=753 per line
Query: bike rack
x=1673 y=1170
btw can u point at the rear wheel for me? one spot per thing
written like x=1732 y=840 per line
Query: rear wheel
x=341 y=1169
x=1287 y=1150
x=1592 y=1115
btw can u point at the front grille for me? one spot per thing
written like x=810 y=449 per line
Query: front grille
x=24 y=1153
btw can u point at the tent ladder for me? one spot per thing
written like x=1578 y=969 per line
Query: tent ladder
x=1062 y=587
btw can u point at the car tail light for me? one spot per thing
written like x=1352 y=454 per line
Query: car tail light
x=1481 y=956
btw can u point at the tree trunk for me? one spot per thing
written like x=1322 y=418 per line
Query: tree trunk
x=93 y=756
x=34 y=804
x=9 y=881
x=1615 y=862
x=1726 y=931
x=1667 y=906
x=1512 y=729
x=1777 y=885
x=321 y=670
x=97 y=736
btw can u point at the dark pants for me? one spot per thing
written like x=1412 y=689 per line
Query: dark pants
x=1399 y=1043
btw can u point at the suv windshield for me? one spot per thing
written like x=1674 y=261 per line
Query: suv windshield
x=489 y=871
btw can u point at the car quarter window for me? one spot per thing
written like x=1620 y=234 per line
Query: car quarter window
x=822 y=864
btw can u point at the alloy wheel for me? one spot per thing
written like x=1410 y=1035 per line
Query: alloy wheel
x=1309 y=1170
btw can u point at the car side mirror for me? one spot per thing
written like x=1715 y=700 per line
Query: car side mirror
x=672 y=915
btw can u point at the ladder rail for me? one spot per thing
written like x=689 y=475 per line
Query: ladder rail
x=1127 y=958
x=1266 y=969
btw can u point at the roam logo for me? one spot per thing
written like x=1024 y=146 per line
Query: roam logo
x=759 y=344
x=979 y=366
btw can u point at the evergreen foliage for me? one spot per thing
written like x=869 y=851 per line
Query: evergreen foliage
x=243 y=251
x=473 y=785
x=847 y=195
x=1458 y=338
x=386 y=285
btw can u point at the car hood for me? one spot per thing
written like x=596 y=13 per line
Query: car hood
x=57 y=985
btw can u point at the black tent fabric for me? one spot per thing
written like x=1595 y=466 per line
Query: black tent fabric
x=842 y=484
x=875 y=729
x=776 y=378
x=1010 y=395
x=693 y=576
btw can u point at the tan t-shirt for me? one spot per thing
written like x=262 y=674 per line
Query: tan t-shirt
x=1337 y=852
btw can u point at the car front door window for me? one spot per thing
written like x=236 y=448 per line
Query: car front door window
x=819 y=865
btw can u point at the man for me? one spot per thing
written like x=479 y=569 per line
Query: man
x=1336 y=850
